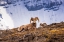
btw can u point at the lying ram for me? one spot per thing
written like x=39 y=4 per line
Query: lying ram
x=29 y=26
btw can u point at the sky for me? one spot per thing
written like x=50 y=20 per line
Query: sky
x=19 y=15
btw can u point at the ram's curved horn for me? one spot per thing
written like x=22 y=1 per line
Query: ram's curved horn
x=37 y=19
x=31 y=19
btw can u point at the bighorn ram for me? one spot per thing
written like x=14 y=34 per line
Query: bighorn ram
x=29 y=26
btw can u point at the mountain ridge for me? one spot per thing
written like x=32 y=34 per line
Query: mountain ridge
x=49 y=33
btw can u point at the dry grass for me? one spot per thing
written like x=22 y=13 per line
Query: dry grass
x=38 y=35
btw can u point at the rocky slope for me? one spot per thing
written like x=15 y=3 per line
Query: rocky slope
x=50 y=33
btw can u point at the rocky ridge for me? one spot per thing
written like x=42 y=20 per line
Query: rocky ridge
x=50 y=33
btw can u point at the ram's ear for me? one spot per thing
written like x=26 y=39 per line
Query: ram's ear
x=31 y=19
x=37 y=19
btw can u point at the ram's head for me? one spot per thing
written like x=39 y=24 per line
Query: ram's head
x=33 y=20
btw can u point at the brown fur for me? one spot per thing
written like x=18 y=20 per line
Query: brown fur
x=26 y=27
x=29 y=26
x=34 y=19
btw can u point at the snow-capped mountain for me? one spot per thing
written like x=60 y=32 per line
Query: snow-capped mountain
x=21 y=15
x=2 y=24
x=5 y=20
x=33 y=5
